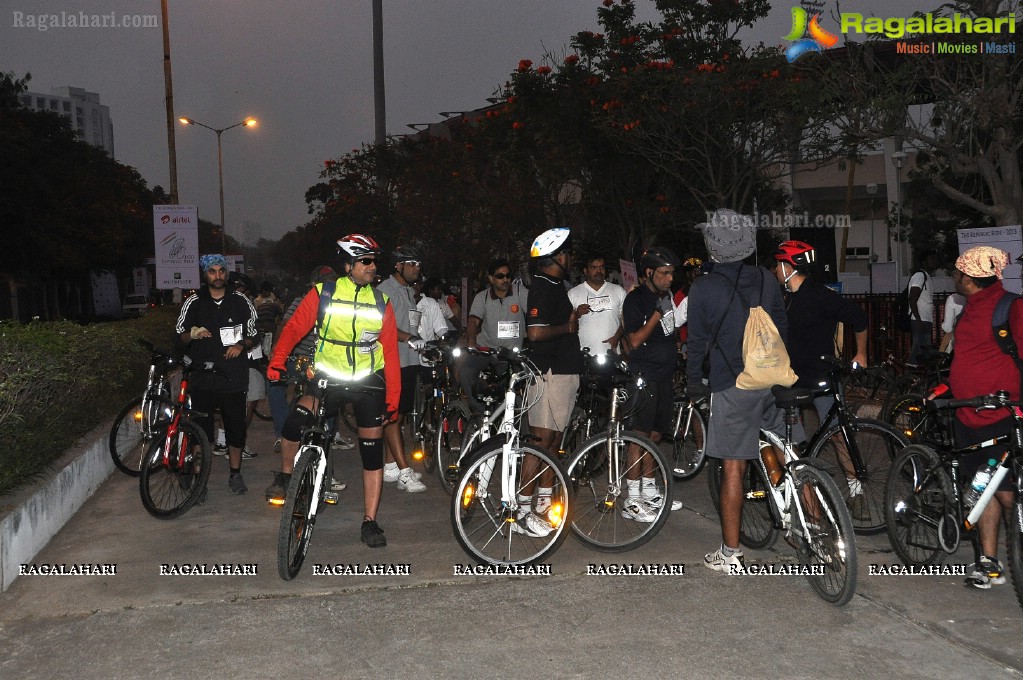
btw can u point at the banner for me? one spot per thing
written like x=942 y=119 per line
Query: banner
x=106 y=300
x=629 y=277
x=1009 y=239
x=176 y=231
x=140 y=281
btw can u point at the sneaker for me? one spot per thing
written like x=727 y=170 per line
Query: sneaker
x=986 y=573
x=729 y=565
x=337 y=486
x=219 y=450
x=637 y=510
x=532 y=524
x=248 y=455
x=277 y=445
x=203 y=495
x=343 y=443
x=391 y=474
x=408 y=481
x=372 y=534
x=236 y=483
x=277 y=492
x=655 y=503
x=858 y=507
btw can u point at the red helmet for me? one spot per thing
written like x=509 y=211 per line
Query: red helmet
x=796 y=253
x=357 y=245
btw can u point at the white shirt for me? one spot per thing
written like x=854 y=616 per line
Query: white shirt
x=604 y=317
x=432 y=324
x=953 y=307
x=926 y=302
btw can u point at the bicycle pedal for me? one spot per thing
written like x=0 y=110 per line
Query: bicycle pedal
x=330 y=497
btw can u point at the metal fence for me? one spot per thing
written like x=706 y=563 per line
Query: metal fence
x=883 y=338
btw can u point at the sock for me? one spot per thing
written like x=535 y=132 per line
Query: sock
x=524 y=503
x=728 y=552
x=543 y=499
x=236 y=471
x=634 y=488
x=390 y=467
x=650 y=488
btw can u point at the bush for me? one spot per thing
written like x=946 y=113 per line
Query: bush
x=60 y=380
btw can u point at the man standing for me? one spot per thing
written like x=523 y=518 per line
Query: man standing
x=979 y=367
x=719 y=305
x=921 y=311
x=598 y=304
x=219 y=328
x=398 y=288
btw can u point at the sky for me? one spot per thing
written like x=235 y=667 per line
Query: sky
x=304 y=70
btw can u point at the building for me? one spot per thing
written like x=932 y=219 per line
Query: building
x=251 y=232
x=88 y=117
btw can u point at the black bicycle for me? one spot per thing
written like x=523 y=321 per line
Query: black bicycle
x=136 y=424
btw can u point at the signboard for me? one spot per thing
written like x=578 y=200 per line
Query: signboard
x=629 y=277
x=140 y=281
x=1009 y=239
x=105 y=299
x=176 y=232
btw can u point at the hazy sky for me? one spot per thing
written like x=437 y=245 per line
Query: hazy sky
x=304 y=70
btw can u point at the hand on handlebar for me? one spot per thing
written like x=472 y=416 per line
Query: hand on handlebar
x=275 y=373
x=416 y=342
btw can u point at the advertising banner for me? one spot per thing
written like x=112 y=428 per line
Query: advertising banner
x=629 y=277
x=176 y=232
x=1009 y=239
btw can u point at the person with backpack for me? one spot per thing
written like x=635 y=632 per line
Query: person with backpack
x=358 y=343
x=720 y=305
x=269 y=310
x=983 y=364
x=921 y=311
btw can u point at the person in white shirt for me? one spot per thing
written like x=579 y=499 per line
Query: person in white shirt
x=953 y=308
x=432 y=325
x=921 y=310
x=598 y=304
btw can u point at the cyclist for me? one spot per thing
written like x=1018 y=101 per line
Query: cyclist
x=980 y=366
x=649 y=320
x=814 y=312
x=356 y=343
x=717 y=323
x=219 y=328
x=598 y=304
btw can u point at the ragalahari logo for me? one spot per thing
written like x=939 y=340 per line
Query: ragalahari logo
x=818 y=41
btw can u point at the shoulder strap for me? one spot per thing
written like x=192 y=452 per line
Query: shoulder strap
x=326 y=293
x=1001 y=327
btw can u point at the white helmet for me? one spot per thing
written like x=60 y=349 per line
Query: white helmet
x=551 y=242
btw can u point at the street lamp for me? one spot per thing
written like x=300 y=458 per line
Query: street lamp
x=248 y=122
x=898 y=158
x=872 y=191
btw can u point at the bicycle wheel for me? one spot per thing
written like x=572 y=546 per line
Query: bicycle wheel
x=429 y=430
x=299 y=515
x=262 y=410
x=757 y=529
x=600 y=472
x=921 y=513
x=826 y=538
x=688 y=441
x=348 y=417
x=873 y=445
x=867 y=390
x=455 y=428
x=485 y=524
x=1014 y=545
x=133 y=429
x=908 y=414
x=169 y=488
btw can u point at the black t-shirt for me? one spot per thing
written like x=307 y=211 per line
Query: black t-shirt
x=814 y=312
x=655 y=358
x=549 y=305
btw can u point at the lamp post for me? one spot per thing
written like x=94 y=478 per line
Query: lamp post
x=248 y=122
x=872 y=191
x=898 y=158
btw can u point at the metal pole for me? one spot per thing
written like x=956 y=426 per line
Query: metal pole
x=220 y=175
x=168 y=86
x=380 y=138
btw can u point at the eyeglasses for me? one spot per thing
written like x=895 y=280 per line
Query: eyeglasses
x=500 y=276
x=412 y=263
x=366 y=261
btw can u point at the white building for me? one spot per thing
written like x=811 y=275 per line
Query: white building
x=90 y=118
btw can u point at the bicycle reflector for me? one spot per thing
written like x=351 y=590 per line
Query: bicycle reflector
x=556 y=514
x=467 y=495
x=417 y=454
x=137 y=415
x=276 y=501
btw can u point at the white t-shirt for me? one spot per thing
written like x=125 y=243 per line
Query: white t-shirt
x=926 y=302
x=604 y=317
x=953 y=306
x=432 y=324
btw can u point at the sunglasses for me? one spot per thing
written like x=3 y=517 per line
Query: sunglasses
x=366 y=261
x=501 y=276
x=412 y=263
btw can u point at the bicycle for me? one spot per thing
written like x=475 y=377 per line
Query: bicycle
x=177 y=463
x=435 y=389
x=688 y=437
x=486 y=510
x=590 y=413
x=310 y=480
x=135 y=426
x=926 y=515
x=803 y=504
x=600 y=469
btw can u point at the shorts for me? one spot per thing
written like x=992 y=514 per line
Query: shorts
x=232 y=413
x=656 y=408
x=407 y=401
x=736 y=417
x=970 y=462
x=257 y=385
x=369 y=406
x=554 y=408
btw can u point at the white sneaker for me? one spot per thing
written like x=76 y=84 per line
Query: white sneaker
x=657 y=501
x=717 y=561
x=409 y=481
x=343 y=443
x=219 y=450
x=248 y=455
x=337 y=486
x=637 y=510
x=532 y=525
x=391 y=473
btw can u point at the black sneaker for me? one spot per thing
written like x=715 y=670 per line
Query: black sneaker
x=277 y=492
x=236 y=483
x=372 y=534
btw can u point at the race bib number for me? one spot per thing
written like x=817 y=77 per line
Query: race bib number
x=668 y=323
x=507 y=330
x=230 y=335
x=599 y=303
x=414 y=317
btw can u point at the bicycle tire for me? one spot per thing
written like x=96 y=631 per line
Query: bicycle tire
x=597 y=518
x=757 y=530
x=920 y=504
x=877 y=444
x=133 y=430
x=455 y=429
x=908 y=414
x=482 y=524
x=831 y=543
x=263 y=413
x=347 y=414
x=869 y=389
x=1014 y=547
x=168 y=491
x=688 y=441
x=429 y=429
x=298 y=517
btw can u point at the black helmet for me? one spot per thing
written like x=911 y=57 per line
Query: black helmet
x=239 y=280
x=658 y=256
x=404 y=253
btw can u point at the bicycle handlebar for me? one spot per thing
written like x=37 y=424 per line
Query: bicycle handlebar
x=999 y=399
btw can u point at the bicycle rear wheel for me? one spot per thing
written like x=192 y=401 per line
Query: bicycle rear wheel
x=1014 y=545
x=826 y=538
x=299 y=515
x=688 y=441
x=866 y=390
x=455 y=428
x=873 y=445
x=429 y=429
x=169 y=488
x=133 y=429
x=757 y=530
x=599 y=472
x=486 y=526
x=920 y=507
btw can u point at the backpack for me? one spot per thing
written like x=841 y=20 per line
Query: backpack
x=901 y=309
x=1003 y=332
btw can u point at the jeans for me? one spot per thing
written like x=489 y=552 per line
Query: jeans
x=277 y=397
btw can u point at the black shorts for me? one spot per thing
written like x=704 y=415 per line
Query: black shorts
x=232 y=413
x=970 y=462
x=369 y=406
x=408 y=389
x=656 y=408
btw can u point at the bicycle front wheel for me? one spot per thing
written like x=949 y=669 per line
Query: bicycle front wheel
x=757 y=529
x=688 y=441
x=454 y=430
x=133 y=429
x=171 y=484
x=1014 y=541
x=920 y=507
x=492 y=529
x=299 y=515
x=604 y=516
x=824 y=535
x=859 y=460
x=429 y=428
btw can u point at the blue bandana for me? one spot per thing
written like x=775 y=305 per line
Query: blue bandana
x=207 y=261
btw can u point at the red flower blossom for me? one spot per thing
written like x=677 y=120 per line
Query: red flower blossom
x=608 y=3
x=525 y=64
x=572 y=59
x=518 y=125
x=543 y=70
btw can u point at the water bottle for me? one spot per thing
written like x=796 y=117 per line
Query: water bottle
x=771 y=461
x=979 y=483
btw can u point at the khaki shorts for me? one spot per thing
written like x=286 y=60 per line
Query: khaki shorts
x=554 y=409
